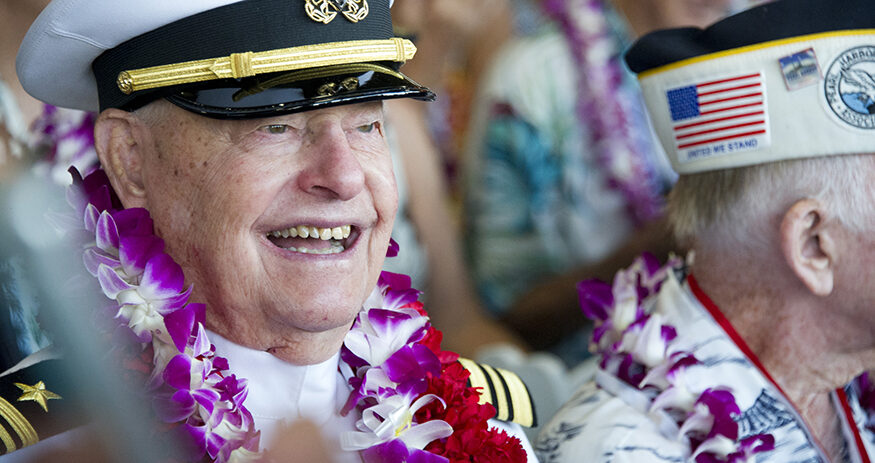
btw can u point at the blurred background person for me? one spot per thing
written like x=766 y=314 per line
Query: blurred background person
x=17 y=108
x=36 y=148
x=452 y=46
x=36 y=141
x=561 y=167
x=20 y=334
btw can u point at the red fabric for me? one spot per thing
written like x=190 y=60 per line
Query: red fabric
x=849 y=421
x=730 y=330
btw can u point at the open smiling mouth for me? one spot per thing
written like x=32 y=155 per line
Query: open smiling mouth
x=307 y=239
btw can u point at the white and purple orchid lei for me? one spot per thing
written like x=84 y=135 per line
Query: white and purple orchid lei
x=386 y=357
x=62 y=138
x=189 y=382
x=388 y=371
x=637 y=348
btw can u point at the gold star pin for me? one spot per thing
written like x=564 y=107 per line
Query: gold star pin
x=37 y=393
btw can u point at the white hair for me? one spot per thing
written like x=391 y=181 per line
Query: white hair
x=742 y=207
x=153 y=113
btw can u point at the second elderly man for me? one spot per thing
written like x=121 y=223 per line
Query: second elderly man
x=756 y=347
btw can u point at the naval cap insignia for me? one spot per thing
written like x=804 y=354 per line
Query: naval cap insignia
x=325 y=11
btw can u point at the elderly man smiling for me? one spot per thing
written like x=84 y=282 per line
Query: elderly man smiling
x=247 y=139
x=759 y=347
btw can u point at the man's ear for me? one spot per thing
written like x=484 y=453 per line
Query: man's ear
x=120 y=139
x=809 y=245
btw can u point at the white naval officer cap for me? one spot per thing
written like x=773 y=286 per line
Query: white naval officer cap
x=219 y=58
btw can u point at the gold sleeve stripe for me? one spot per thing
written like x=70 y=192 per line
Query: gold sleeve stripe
x=504 y=390
x=7 y=440
x=240 y=65
x=500 y=393
x=478 y=379
x=19 y=423
x=521 y=400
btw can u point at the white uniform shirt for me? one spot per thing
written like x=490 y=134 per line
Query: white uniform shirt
x=280 y=392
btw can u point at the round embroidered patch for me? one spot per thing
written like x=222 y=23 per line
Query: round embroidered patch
x=849 y=86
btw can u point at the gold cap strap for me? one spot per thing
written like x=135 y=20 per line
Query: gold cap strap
x=239 y=65
x=504 y=390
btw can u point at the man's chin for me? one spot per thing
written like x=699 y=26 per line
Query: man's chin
x=317 y=317
x=289 y=340
x=310 y=348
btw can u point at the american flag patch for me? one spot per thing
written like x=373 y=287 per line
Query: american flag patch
x=719 y=117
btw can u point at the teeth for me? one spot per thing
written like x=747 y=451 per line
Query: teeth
x=334 y=249
x=308 y=231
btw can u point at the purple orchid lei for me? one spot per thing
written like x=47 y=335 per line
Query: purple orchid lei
x=600 y=104
x=637 y=348
x=190 y=384
x=385 y=356
x=62 y=138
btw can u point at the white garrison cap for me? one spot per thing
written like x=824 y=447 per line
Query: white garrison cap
x=786 y=80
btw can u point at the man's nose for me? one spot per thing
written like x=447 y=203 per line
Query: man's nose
x=332 y=170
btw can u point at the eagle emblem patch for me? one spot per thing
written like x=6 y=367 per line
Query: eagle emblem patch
x=849 y=86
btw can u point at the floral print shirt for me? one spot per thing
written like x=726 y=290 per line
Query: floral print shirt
x=607 y=420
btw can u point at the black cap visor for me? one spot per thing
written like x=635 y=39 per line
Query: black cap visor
x=296 y=91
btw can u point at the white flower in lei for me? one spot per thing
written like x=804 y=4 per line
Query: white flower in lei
x=636 y=347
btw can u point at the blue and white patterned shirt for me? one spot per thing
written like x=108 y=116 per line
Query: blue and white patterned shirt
x=607 y=420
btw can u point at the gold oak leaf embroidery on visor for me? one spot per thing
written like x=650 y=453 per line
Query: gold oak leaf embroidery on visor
x=324 y=11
